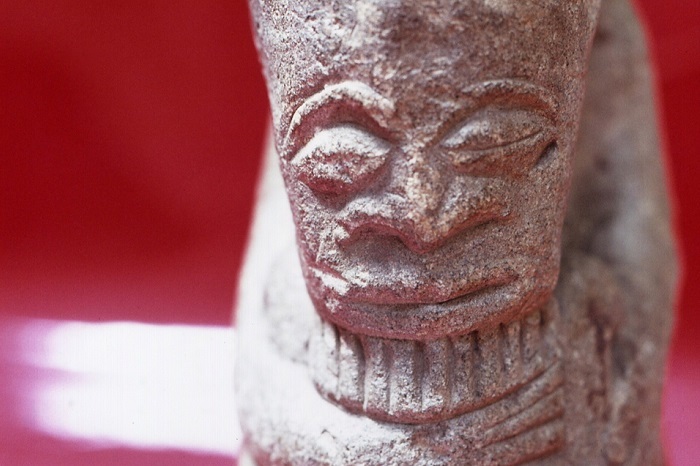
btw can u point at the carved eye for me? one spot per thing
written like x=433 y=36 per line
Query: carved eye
x=497 y=141
x=340 y=160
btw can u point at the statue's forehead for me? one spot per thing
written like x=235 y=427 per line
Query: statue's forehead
x=404 y=48
x=384 y=18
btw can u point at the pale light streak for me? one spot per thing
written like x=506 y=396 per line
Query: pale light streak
x=134 y=385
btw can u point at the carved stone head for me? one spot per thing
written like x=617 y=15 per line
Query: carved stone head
x=426 y=149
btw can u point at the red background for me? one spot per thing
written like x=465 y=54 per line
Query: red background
x=130 y=135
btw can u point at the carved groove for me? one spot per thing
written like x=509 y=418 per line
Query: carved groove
x=536 y=443
x=547 y=154
x=543 y=411
x=523 y=399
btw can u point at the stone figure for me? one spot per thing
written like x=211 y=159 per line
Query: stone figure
x=483 y=268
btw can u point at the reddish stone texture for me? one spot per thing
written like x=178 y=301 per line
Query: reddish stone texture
x=485 y=268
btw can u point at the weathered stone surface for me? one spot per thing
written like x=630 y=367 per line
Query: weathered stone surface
x=439 y=304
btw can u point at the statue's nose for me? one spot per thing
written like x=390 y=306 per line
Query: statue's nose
x=423 y=187
x=424 y=205
x=423 y=225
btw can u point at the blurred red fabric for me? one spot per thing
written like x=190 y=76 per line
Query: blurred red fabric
x=130 y=135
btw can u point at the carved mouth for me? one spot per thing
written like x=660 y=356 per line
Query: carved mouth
x=490 y=299
x=430 y=299
x=416 y=382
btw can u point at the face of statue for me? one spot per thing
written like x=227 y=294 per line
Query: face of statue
x=427 y=164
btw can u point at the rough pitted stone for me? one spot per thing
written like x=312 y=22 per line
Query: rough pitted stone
x=477 y=266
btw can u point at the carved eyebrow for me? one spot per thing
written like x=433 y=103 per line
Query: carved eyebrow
x=509 y=93
x=362 y=102
x=514 y=92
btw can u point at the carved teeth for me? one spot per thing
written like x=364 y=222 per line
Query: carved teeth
x=415 y=382
x=531 y=336
x=351 y=378
x=376 y=383
x=463 y=348
x=512 y=359
x=404 y=393
x=490 y=363
x=436 y=376
x=324 y=361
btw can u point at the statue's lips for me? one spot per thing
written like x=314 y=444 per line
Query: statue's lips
x=405 y=316
x=409 y=281
x=425 y=295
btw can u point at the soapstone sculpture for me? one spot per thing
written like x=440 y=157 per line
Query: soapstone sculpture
x=477 y=266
